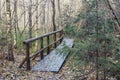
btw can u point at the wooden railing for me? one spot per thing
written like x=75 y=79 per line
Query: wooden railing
x=57 y=37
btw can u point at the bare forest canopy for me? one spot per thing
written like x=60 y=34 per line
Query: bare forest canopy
x=38 y=13
x=31 y=18
x=84 y=19
x=41 y=13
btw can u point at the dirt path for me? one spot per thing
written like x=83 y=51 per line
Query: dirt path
x=9 y=71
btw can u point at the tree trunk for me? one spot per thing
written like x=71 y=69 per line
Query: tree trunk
x=59 y=11
x=43 y=19
x=0 y=15
x=30 y=18
x=36 y=27
x=15 y=24
x=53 y=17
x=114 y=13
x=0 y=11
x=24 y=13
x=97 y=41
x=10 y=55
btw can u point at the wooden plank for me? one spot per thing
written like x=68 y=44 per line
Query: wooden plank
x=45 y=35
x=54 y=60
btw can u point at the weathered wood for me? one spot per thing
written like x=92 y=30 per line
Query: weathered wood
x=41 y=42
x=54 y=37
x=21 y=64
x=39 y=52
x=28 y=57
x=54 y=60
x=37 y=38
x=61 y=34
x=48 y=42
x=29 y=41
x=42 y=49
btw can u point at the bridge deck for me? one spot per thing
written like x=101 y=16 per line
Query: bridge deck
x=53 y=61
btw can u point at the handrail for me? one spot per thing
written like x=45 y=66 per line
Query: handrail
x=27 y=44
x=44 y=35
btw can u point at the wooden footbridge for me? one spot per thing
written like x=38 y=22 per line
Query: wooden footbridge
x=55 y=58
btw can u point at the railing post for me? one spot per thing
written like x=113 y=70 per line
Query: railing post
x=28 y=56
x=60 y=35
x=41 y=38
x=48 y=42
x=55 y=40
x=41 y=48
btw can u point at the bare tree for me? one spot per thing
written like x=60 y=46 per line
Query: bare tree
x=30 y=18
x=0 y=10
x=59 y=11
x=43 y=18
x=36 y=27
x=113 y=13
x=15 y=23
x=24 y=13
x=53 y=16
x=10 y=55
x=0 y=13
x=97 y=50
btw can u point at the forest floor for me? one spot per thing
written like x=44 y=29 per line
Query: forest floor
x=10 y=71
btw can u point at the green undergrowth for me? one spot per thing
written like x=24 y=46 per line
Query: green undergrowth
x=85 y=47
x=21 y=36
